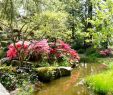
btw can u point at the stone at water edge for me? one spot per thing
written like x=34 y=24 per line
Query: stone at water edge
x=67 y=68
x=3 y=91
x=65 y=71
x=47 y=74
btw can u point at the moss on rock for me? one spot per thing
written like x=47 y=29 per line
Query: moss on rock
x=46 y=74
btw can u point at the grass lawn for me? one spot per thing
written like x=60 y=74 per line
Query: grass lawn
x=102 y=83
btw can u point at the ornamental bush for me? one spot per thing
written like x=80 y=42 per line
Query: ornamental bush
x=60 y=49
x=16 y=48
x=106 y=52
x=43 y=50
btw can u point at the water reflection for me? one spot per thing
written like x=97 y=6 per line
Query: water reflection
x=73 y=85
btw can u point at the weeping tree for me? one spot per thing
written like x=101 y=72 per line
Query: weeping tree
x=15 y=16
x=24 y=19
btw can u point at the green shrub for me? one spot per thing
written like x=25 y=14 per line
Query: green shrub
x=90 y=51
x=26 y=89
x=4 y=43
x=2 y=53
x=89 y=59
x=81 y=51
x=8 y=80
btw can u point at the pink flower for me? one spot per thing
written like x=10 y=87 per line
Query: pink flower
x=40 y=46
x=22 y=44
x=26 y=44
x=11 y=53
x=59 y=49
x=74 y=54
x=11 y=46
x=53 y=51
x=105 y=52
x=59 y=55
x=63 y=45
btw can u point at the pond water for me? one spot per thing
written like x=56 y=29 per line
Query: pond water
x=72 y=85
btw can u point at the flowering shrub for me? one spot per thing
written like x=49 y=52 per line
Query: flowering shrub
x=106 y=52
x=52 y=51
x=39 y=49
x=60 y=49
x=39 y=46
x=17 y=48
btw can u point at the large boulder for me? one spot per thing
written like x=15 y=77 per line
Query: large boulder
x=3 y=91
x=46 y=74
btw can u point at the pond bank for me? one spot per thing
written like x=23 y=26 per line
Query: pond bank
x=72 y=85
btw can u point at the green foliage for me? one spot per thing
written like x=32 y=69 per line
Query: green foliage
x=110 y=65
x=89 y=59
x=51 y=25
x=2 y=53
x=8 y=80
x=91 y=51
x=12 y=77
x=7 y=77
x=26 y=89
x=46 y=74
x=102 y=22
x=101 y=83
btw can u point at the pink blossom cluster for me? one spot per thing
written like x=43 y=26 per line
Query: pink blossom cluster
x=58 y=49
x=15 y=48
x=106 y=52
x=40 y=46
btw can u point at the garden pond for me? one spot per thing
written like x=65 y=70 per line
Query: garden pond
x=74 y=84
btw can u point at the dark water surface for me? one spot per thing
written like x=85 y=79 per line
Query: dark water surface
x=72 y=85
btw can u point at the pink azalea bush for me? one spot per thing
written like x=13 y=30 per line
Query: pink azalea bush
x=42 y=49
x=60 y=49
x=106 y=52
x=15 y=49
x=39 y=49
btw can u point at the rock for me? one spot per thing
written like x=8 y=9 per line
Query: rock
x=3 y=91
x=47 y=74
x=65 y=71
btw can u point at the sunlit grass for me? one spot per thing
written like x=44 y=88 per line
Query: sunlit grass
x=101 y=83
x=110 y=65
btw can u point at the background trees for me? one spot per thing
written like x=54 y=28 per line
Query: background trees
x=80 y=22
